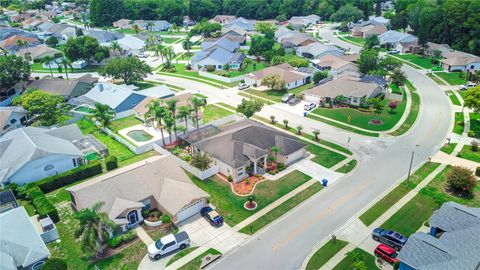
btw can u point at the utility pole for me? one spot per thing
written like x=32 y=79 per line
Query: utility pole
x=411 y=162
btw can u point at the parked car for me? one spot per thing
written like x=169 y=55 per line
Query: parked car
x=287 y=97
x=391 y=238
x=168 y=244
x=309 y=106
x=294 y=101
x=386 y=253
x=213 y=217
x=393 y=52
x=243 y=86
x=468 y=85
x=141 y=55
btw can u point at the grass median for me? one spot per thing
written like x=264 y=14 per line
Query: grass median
x=412 y=115
x=325 y=253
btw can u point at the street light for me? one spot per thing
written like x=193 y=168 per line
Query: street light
x=411 y=162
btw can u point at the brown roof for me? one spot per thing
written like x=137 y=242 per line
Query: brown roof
x=12 y=41
x=39 y=51
x=332 y=61
x=286 y=72
x=351 y=57
x=339 y=87
x=374 y=29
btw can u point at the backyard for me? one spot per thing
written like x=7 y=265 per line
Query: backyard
x=125 y=122
x=213 y=112
x=38 y=67
x=275 y=95
x=452 y=78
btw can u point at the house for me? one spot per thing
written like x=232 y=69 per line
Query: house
x=11 y=44
x=376 y=21
x=355 y=92
x=368 y=30
x=40 y=51
x=247 y=25
x=299 y=22
x=291 y=77
x=132 y=45
x=122 y=23
x=317 y=50
x=155 y=25
x=32 y=23
x=223 y=19
x=280 y=32
x=12 y=118
x=7 y=32
x=61 y=31
x=296 y=39
x=242 y=40
x=21 y=246
x=155 y=183
x=66 y=88
x=460 y=61
x=103 y=36
x=333 y=64
x=217 y=57
x=237 y=147
x=30 y=153
x=392 y=38
x=408 y=47
x=434 y=47
x=222 y=42
x=7 y=200
x=452 y=242
x=187 y=21
x=234 y=30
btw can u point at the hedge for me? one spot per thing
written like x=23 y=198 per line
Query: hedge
x=115 y=242
x=66 y=178
x=42 y=205
x=111 y=162
x=477 y=171
x=55 y=264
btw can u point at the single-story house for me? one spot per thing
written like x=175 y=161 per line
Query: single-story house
x=122 y=23
x=66 y=88
x=155 y=183
x=245 y=144
x=333 y=64
x=21 y=247
x=394 y=37
x=298 y=22
x=40 y=51
x=11 y=44
x=7 y=32
x=32 y=23
x=61 y=31
x=368 y=30
x=460 y=61
x=452 y=242
x=217 y=57
x=155 y=25
x=317 y=50
x=103 y=36
x=355 y=92
x=132 y=45
x=12 y=118
x=30 y=153
x=408 y=47
x=223 y=19
x=433 y=47
x=233 y=30
x=247 y=25
x=187 y=21
x=380 y=21
x=291 y=77
x=242 y=40
x=222 y=42
x=296 y=39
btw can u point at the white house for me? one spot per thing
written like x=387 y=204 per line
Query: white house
x=287 y=73
x=132 y=45
x=12 y=118
x=317 y=50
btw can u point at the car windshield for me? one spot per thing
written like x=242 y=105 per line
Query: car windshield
x=394 y=255
x=159 y=244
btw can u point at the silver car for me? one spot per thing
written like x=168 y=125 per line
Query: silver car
x=309 y=106
x=243 y=86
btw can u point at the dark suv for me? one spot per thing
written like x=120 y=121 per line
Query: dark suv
x=390 y=238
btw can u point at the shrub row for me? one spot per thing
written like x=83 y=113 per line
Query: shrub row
x=116 y=241
x=111 y=162
x=60 y=180
x=43 y=206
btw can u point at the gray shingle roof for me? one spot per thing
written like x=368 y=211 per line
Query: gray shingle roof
x=222 y=42
x=453 y=216
x=395 y=36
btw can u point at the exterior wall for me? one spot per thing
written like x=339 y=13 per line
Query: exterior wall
x=295 y=84
x=474 y=66
x=295 y=156
x=34 y=170
x=13 y=116
x=252 y=81
x=190 y=210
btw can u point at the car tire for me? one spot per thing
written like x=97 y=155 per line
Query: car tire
x=397 y=248
x=376 y=238
x=183 y=246
x=157 y=257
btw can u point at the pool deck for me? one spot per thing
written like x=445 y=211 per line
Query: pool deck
x=156 y=134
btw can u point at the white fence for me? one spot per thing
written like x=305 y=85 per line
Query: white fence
x=136 y=149
x=221 y=78
x=202 y=175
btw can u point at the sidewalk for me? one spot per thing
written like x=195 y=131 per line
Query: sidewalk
x=445 y=158
x=142 y=234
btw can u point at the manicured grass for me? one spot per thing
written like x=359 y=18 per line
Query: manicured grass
x=230 y=206
x=251 y=96
x=185 y=56
x=325 y=253
x=424 y=62
x=323 y=156
x=346 y=263
x=169 y=40
x=412 y=115
x=448 y=148
x=281 y=209
x=452 y=78
x=195 y=263
x=347 y=167
x=212 y=112
x=275 y=95
x=474 y=125
x=137 y=158
x=250 y=68
x=395 y=89
x=227 y=106
x=145 y=85
x=361 y=119
x=38 y=67
x=397 y=193
x=354 y=40
x=200 y=96
x=366 y=133
x=467 y=153
x=125 y=122
x=453 y=98
x=436 y=79
x=459 y=123
x=180 y=255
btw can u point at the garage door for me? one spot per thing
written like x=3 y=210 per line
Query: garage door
x=191 y=210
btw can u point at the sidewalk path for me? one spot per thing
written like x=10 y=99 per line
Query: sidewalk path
x=445 y=158
x=142 y=234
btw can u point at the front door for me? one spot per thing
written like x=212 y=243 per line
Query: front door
x=132 y=217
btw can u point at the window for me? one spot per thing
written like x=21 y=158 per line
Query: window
x=13 y=121
x=168 y=245
x=49 y=167
x=74 y=162
x=37 y=265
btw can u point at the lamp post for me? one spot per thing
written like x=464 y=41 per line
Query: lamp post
x=411 y=162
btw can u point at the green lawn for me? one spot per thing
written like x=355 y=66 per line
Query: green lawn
x=448 y=148
x=412 y=115
x=474 y=125
x=453 y=98
x=452 y=78
x=170 y=40
x=185 y=56
x=395 y=89
x=281 y=209
x=275 y=95
x=366 y=133
x=145 y=85
x=213 y=112
x=230 y=206
x=361 y=119
x=180 y=255
x=459 y=123
x=227 y=106
x=250 y=68
x=346 y=263
x=397 y=193
x=125 y=122
x=195 y=263
x=424 y=62
x=354 y=40
x=200 y=96
x=325 y=253
x=323 y=156
x=38 y=67
x=347 y=167
x=435 y=79
x=467 y=153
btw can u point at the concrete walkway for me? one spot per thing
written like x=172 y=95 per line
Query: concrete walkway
x=142 y=234
x=445 y=158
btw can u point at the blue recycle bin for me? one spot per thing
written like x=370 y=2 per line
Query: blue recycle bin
x=324 y=182
x=305 y=114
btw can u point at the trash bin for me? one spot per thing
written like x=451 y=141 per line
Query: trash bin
x=305 y=114
x=324 y=182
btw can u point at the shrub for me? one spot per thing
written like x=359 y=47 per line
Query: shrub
x=188 y=67
x=166 y=219
x=229 y=178
x=55 y=264
x=60 y=180
x=477 y=171
x=474 y=146
x=42 y=205
x=281 y=166
x=471 y=133
x=461 y=181
x=34 y=193
x=116 y=241
x=210 y=68
x=111 y=162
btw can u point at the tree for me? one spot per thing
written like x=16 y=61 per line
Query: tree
x=205 y=29
x=197 y=103
x=103 y=114
x=472 y=99
x=261 y=46
x=201 y=161
x=64 y=64
x=368 y=61
x=14 y=69
x=347 y=13
x=129 y=69
x=399 y=21
x=55 y=264
x=315 y=134
x=85 y=48
x=285 y=122
x=52 y=41
x=389 y=64
x=275 y=150
x=47 y=60
x=274 y=81
x=299 y=129
x=22 y=44
x=160 y=50
x=187 y=44
x=371 y=42
x=319 y=75
x=377 y=105
x=272 y=119
x=172 y=107
x=169 y=121
x=136 y=28
x=117 y=50
x=185 y=112
x=45 y=106
x=398 y=77
x=158 y=112
x=264 y=27
x=248 y=107
x=393 y=105
x=105 y=12
x=461 y=181
x=93 y=229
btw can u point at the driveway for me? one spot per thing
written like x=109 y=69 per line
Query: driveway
x=307 y=166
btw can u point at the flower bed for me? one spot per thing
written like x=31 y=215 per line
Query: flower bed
x=375 y=122
x=246 y=186
x=274 y=167
x=152 y=218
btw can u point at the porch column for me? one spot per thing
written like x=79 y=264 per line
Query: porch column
x=255 y=167
x=265 y=162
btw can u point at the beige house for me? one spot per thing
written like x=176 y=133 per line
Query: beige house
x=287 y=73
x=368 y=30
x=223 y=19
x=460 y=61
x=334 y=65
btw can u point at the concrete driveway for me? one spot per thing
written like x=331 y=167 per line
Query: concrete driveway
x=296 y=109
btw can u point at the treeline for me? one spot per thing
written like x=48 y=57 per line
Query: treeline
x=455 y=22
x=104 y=12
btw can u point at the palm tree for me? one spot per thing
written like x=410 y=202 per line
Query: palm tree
x=197 y=103
x=285 y=122
x=150 y=26
x=316 y=133
x=184 y=112
x=169 y=124
x=160 y=50
x=275 y=150
x=151 y=40
x=65 y=63
x=136 y=28
x=272 y=119
x=102 y=113
x=158 y=112
x=187 y=45
x=93 y=229
x=48 y=61
x=172 y=107
x=169 y=54
x=299 y=129
x=116 y=48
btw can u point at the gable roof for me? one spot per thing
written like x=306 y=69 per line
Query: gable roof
x=19 y=239
x=118 y=97
x=39 y=51
x=392 y=36
x=158 y=177
x=222 y=42
x=234 y=28
x=218 y=56
x=317 y=48
x=57 y=86
x=296 y=38
x=10 y=43
x=247 y=25
x=104 y=36
x=5 y=113
x=458 y=58
x=285 y=71
x=343 y=87
x=131 y=43
x=282 y=30
x=453 y=216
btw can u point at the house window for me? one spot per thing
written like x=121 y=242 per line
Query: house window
x=48 y=167
x=74 y=162
x=38 y=265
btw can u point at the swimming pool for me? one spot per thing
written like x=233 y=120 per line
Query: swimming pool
x=139 y=135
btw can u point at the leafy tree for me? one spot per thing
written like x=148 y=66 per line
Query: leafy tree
x=201 y=161
x=260 y=45
x=368 y=61
x=390 y=64
x=103 y=114
x=393 y=105
x=371 y=42
x=45 y=106
x=272 y=119
x=52 y=41
x=205 y=29
x=85 y=48
x=347 y=12
x=264 y=27
x=64 y=64
x=461 y=181
x=472 y=99
x=187 y=44
x=299 y=129
x=377 y=105
x=171 y=10
x=129 y=69
x=105 y=12
x=248 y=107
x=319 y=75
x=136 y=28
x=285 y=122
x=14 y=69
x=274 y=81
x=399 y=21
x=55 y=264
x=297 y=61
x=398 y=77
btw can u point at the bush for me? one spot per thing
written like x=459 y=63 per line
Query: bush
x=210 y=68
x=55 y=264
x=34 y=193
x=188 y=67
x=111 y=162
x=471 y=133
x=281 y=166
x=474 y=146
x=461 y=181
x=115 y=242
x=60 y=180
x=42 y=205
x=477 y=171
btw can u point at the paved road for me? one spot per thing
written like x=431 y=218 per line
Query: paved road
x=286 y=243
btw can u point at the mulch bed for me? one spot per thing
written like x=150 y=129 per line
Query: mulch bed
x=108 y=252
